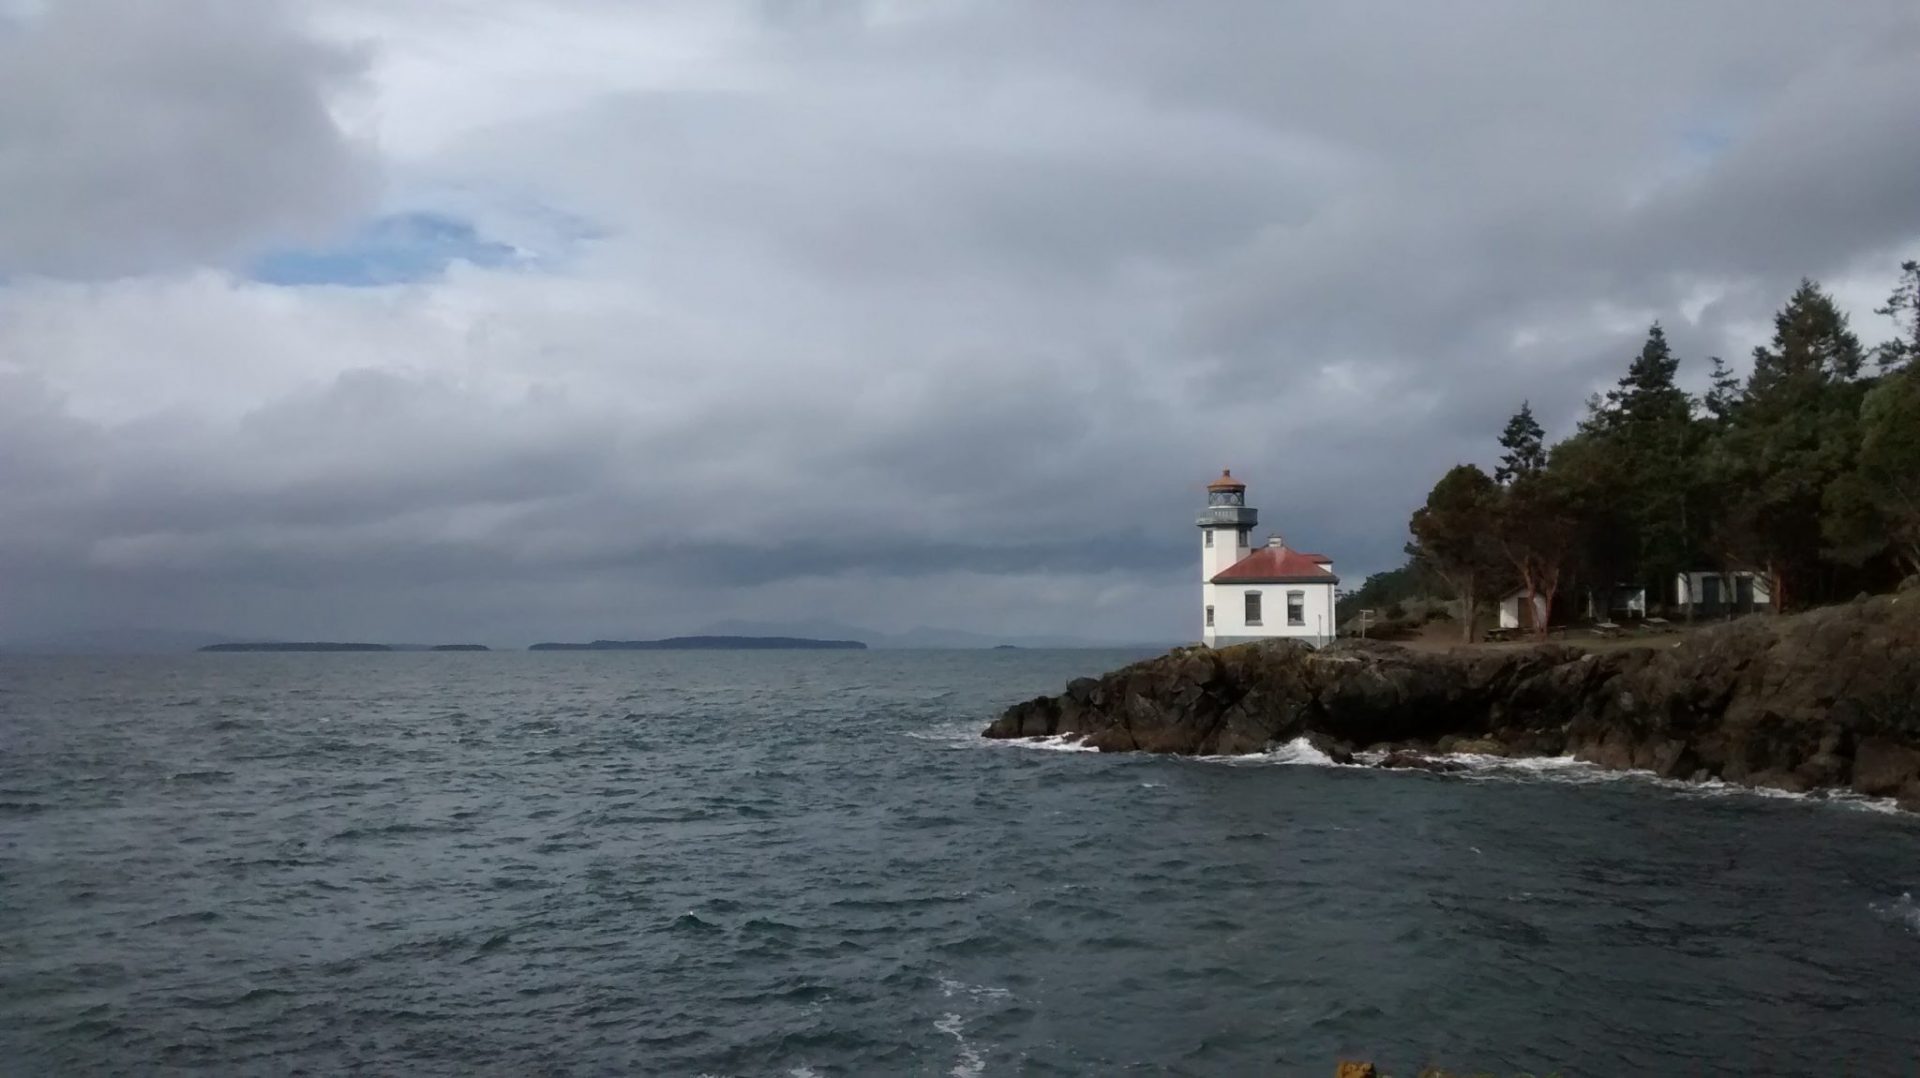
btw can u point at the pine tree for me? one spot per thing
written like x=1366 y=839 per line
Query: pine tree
x=1524 y=444
x=1645 y=474
x=1723 y=392
x=1889 y=460
x=1533 y=527
x=1810 y=340
x=1794 y=432
x=1903 y=306
x=1647 y=393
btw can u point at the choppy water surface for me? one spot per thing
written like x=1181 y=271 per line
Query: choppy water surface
x=808 y=863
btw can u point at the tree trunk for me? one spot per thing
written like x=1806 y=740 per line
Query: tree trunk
x=1533 y=604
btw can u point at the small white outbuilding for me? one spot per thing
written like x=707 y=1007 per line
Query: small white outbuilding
x=1517 y=613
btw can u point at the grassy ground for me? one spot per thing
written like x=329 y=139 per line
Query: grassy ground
x=1441 y=636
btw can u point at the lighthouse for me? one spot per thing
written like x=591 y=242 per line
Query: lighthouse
x=1263 y=593
x=1226 y=525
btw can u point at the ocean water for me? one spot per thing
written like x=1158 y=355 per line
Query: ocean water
x=810 y=864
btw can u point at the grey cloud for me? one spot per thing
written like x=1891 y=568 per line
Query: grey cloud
x=946 y=320
x=137 y=135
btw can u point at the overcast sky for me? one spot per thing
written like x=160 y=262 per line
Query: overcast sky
x=521 y=319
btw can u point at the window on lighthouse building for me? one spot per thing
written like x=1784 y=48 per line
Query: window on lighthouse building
x=1253 y=608
x=1209 y=617
x=1296 y=608
x=1209 y=534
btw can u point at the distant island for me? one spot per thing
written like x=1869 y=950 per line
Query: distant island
x=298 y=646
x=459 y=647
x=711 y=643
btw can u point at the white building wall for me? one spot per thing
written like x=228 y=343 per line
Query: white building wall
x=1510 y=610
x=1691 y=587
x=1229 y=546
x=1229 y=602
x=1227 y=549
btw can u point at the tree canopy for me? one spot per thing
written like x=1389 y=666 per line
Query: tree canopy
x=1805 y=472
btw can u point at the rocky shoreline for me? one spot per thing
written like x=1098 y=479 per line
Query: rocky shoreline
x=1829 y=699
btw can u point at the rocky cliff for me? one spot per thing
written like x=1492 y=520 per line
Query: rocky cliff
x=1825 y=699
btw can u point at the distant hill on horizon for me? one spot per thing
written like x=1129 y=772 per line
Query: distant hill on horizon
x=138 y=641
x=711 y=643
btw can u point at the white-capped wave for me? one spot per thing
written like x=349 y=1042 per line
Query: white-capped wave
x=1567 y=769
x=1478 y=766
x=968 y=1063
x=968 y=736
x=952 y=988
x=1056 y=743
x=1901 y=911
x=1298 y=752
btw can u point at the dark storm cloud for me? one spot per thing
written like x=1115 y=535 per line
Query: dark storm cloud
x=903 y=313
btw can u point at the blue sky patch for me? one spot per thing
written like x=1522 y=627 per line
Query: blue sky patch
x=394 y=249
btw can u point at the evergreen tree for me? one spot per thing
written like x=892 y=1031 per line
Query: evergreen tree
x=1793 y=433
x=1524 y=447
x=1647 y=393
x=1810 y=340
x=1723 y=393
x=1888 y=474
x=1644 y=478
x=1903 y=306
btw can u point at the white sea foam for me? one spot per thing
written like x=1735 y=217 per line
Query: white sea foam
x=976 y=992
x=1056 y=743
x=1479 y=767
x=1567 y=769
x=968 y=736
x=1298 y=752
x=969 y=1064
x=1901 y=911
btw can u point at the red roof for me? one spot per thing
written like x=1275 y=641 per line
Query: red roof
x=1278 y=565
x=1226 y=482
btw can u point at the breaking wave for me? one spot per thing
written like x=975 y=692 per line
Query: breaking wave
x=1901 y=911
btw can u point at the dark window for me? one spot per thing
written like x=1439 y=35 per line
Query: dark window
x=1253 y=608
x=1296 y=608
x=1209 y=538
x=1209 y=617
x=1244 y=532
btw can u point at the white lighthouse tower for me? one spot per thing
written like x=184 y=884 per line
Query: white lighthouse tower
x=1226 y=531
x=1252 y=594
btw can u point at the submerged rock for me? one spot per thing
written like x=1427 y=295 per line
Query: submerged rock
x=1826 y=699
